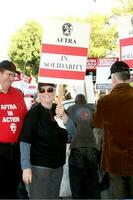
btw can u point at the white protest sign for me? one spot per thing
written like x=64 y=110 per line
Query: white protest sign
x=64 y=52
x=102 y=81
x=89 y=89
x=103 y=73
x=126 y=39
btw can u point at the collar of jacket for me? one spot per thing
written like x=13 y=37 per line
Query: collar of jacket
x=121 y=86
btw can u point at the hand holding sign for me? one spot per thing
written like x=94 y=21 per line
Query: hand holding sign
x=60 y=111
x=60 y=117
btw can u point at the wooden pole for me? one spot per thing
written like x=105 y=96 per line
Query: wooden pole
x=60 y=94
x=60 y=97
x=85 y=92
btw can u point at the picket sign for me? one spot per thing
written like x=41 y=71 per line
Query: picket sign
x=126 y=39
x=64 y=52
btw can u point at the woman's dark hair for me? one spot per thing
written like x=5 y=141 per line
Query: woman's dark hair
x=46 y=84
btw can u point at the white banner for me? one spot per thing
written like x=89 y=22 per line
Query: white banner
x=64 y=52
x=126 y=39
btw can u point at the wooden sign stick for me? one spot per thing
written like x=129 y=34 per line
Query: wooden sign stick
x=60 y=96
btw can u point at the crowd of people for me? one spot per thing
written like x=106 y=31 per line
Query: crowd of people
x=33 y=142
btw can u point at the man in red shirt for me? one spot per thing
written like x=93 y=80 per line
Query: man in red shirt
x=12 y=112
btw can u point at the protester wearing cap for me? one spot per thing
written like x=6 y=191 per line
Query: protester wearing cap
x=114 y=113
x=12 y=112
x=43 y=145
x=119 y=66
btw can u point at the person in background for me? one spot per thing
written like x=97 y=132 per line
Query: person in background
x=99 y=134
x=83 y=166
x=43 y=145
x=12 y=112
x=68 y=100
x=114 y=113
x=34 y=99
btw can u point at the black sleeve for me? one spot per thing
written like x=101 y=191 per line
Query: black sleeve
x=29 y=127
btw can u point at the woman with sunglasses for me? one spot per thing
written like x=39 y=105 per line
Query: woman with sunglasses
x=43 y=145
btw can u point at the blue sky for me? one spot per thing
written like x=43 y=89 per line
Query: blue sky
x=14 y=14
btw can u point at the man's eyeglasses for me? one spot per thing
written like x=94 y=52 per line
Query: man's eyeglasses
x=48 y=90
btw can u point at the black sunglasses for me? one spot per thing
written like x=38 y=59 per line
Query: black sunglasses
x=49 y=90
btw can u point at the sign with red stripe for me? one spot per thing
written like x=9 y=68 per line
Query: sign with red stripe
x=64 y=53
x=56 y=49
x=126 y=39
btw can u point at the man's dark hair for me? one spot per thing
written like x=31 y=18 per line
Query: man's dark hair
x=7 y=65
x=80 y=99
